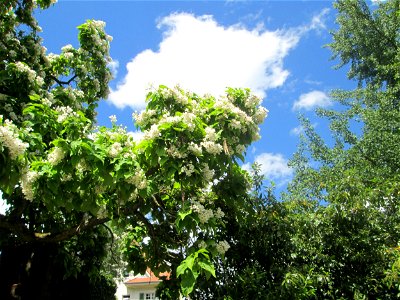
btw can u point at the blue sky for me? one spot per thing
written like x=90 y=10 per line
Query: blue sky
x=276 y=48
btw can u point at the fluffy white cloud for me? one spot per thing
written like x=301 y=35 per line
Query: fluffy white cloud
x=311 y=100
x=273 y=166
x=205 y=57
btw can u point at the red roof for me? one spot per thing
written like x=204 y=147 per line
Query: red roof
x=148 y=277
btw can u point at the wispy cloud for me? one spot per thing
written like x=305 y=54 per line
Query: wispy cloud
x=318 y=21
x=203 y=56
x=113 y=65
x=311 y=100
x=297 y=130
x=273 y=166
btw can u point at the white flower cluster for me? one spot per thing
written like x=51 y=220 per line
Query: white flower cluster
x=64 y=112
x=32 y=76
x=208 y=174
x=56 y=156
x=47 y=102
x=219 y=214
x=209 y=142
x=170 y=119
x=180 y=96
x=144 y=118
x=99 y=24
x=113 y=119
x=210 y=134
x=66 y=177
x=252 y=101
x=240 y=149
x=222 y=247
x=98 y=40
x=202 y=244
x=152 y=133
x=27 y=180
x=167 y=93
x=82 y=166
x=9 y=138
x=139 y=180
x=260 y=115
x=203 y=213
x=188 y=170
x=67 y=48
x=174 y=152
x=115 y=149
x=195 y=149
x=188 y=118
x=69 y=55
x=212 y=147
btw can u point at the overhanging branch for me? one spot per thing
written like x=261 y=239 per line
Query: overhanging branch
x=19 y=228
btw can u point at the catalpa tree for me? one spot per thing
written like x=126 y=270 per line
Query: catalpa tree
x=61 y=175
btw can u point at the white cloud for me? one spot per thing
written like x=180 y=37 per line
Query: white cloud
x=136 y=135
x=318 y=21
x=273 y=166
x=297 y=130
x=202 y=56
x=113 y=65
x=311 y=100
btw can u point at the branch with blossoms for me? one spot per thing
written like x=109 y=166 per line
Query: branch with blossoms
x=166 y=190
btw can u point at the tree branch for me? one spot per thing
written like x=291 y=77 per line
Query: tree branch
x=60 y=82
x=18 y=228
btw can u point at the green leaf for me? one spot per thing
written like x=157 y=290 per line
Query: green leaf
x=187 y=283
x=208 y=266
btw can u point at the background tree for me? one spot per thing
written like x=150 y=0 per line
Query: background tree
x=353 y=252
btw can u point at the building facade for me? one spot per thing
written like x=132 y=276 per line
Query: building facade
x=139 y=287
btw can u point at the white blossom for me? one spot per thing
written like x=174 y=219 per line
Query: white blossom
x=210 y=134
x=174 y=152
x=10 y=139
x=208 y=174
x=65 y=112
x=67 y=48
x=222 y=247
x=82 y=166
x=260 y=115
x=56 y=156
x=188 y=170
x=219 y=214
x=27 y=180
x=202 y=244
x=195 y=149
x=240 y=149
x=188 y=119
x=116 y=149
x=69 y=55
x=252 y=101
x=203 y=213
x=212 y=147
x=113 y=118
x=66 y=177
x=138 y=179
x=152 y=133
